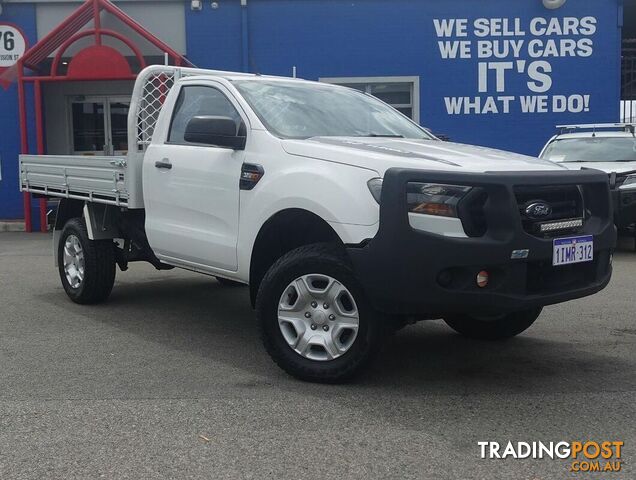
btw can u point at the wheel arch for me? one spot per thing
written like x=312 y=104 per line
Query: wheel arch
x=66 y=210
x=284 y=231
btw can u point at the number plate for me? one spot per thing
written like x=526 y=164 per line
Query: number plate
x=566 y=251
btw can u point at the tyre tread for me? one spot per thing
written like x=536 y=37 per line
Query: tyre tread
x=323 y=252
x=99 y=260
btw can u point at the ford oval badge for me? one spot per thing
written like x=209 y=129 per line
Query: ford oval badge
x=538 y=210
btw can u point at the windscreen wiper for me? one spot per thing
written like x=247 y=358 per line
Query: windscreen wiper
x=382 y=135
x=597 y=161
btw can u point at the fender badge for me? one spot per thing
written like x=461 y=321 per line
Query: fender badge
x=520 y=254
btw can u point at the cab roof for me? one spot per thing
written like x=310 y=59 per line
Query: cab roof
x=612 y=130
x=615 y=134
x=233 y=76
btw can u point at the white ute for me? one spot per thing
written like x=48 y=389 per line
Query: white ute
x=609 y=147
x=346 y=219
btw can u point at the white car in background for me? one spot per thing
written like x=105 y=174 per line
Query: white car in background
x=609 y=147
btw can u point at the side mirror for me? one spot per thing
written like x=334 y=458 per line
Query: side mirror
x=217 y=131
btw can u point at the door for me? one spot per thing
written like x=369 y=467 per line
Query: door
x=99 y=125
x=88 y=122
x=191 y=191
x=117 y=130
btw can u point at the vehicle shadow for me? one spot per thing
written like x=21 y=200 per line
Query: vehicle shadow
x=431 y=358
x=200 y=317
x=626 y=243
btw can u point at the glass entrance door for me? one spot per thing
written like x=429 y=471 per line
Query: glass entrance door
x=118 y=123
x=88 y=126
x=99 y=125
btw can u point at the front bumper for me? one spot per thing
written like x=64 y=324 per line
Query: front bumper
x=410 y=272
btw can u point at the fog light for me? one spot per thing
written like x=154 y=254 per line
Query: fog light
x=482 y=279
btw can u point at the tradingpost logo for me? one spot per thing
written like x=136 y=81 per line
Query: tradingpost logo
x=582 y=456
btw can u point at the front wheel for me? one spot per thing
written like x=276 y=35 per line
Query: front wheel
x=497 y=327
x=314 y=318
x=86 y=267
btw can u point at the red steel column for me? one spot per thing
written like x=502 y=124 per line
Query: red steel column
x=39 y=129
x=28 y=226
x=98 y=22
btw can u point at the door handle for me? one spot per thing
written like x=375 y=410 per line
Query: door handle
x=163 y=164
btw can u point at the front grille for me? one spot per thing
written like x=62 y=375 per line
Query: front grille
x=565 y=202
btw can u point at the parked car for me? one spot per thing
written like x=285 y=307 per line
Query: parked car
x=610 y=148
x=344 y=217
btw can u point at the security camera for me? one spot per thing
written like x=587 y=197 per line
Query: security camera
x=553 y=4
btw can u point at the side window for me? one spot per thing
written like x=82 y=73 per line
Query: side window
x=194 y=101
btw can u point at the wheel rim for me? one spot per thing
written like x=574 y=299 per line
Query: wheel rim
x=74 y=261
x=318 y=317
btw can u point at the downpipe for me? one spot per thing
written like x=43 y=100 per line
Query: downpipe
x=245 y=38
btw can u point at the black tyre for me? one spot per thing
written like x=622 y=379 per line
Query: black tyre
x=226 y=282
x=493 y=328
x=314 y=318
x=86 y=267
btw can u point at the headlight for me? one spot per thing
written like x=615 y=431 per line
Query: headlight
x=375 y=187
x=435 y=199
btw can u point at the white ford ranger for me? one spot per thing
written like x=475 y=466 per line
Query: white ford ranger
x=345 y=218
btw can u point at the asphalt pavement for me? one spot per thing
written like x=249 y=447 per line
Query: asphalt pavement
x=168 y=380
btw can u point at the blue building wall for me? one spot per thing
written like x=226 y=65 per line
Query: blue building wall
x=365 y=38
x=399 y=38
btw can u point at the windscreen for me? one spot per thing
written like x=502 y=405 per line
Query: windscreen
x=588 y=149
x=303 y=110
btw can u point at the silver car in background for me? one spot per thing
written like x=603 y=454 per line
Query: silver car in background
x=609 y=147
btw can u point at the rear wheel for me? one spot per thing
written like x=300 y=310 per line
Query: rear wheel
x=86 y=267
x=497 y=327
x=315 y=321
